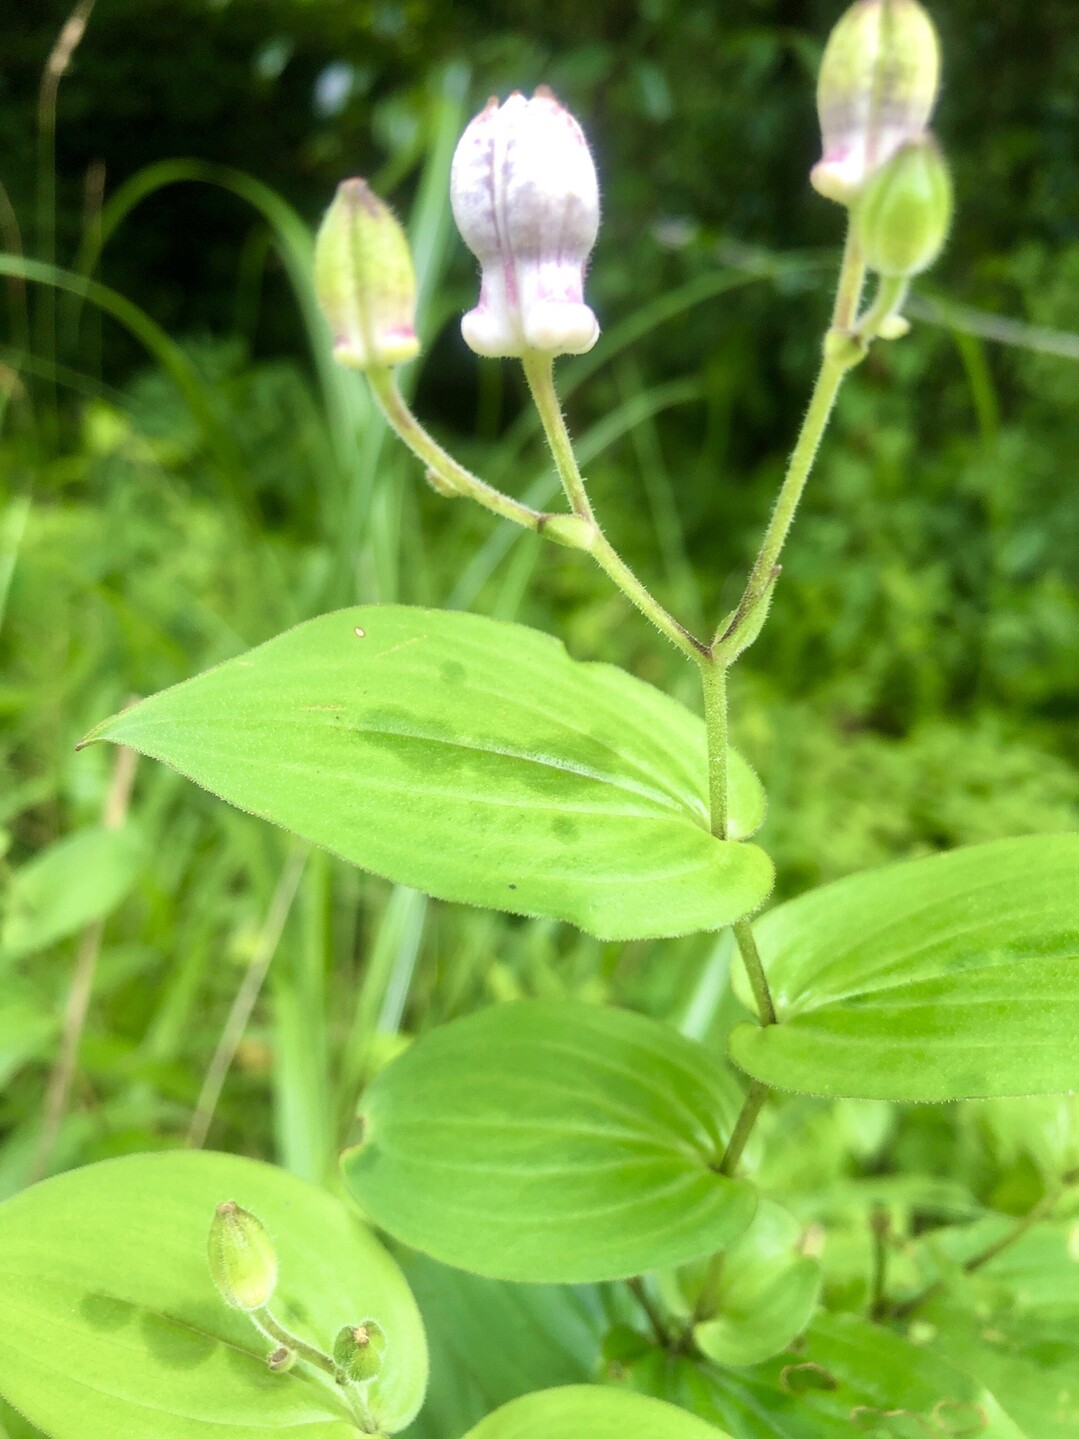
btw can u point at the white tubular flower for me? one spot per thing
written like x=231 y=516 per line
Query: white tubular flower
x=526 y=200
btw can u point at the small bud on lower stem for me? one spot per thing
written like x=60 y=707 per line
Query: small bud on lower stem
x=243 y=1262
x=364 y=280
x=359 y=1350
x=574 y=532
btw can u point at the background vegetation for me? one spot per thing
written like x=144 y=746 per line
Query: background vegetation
x=182 y=474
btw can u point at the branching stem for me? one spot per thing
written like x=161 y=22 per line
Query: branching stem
x=539 y=371
x=443 y=467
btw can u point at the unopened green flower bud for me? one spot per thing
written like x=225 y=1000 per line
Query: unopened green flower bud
x=364 y=280
x=879 y=81
x=242 y=1258
x=359 y=1350
x=903 y=218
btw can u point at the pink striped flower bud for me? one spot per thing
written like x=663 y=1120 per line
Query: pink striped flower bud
x=879 y=81
x=364 y=280
x=526 y=201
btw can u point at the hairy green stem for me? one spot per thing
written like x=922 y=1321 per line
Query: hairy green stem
x=841 y=352
x=714 y=683
x=834 y=367
x=442 y=466
x=848 y=295
x=751 y=958
x=264 y=1321
x=266 y=1324
x=539 y=371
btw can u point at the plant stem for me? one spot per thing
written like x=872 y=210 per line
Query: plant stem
x=714 y=683
x=848 y=293
x=539 y=371
x=880 y=1226
x=453 y=476
x=837 y=359
x=266 y=1324
x=752 y=1105
x=655 y=1319
x=758 y=980
x=264 y=1321
x=833 y=368
x=892 y=291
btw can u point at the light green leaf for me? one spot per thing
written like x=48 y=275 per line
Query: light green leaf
x=474 y=760
x=951 y=977
x=113 y=1329
x=78 y=879
x=765 y=1294
x=590 y=1412
x=552 y=1143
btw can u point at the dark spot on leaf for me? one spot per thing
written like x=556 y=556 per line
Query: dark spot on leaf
x=453 y=672
x=565 y=828
x=104 y=1311
x=513 y=886
x=178 y=1343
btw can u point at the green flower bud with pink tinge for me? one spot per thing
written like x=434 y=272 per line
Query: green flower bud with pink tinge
x=364 y=280
x=904 y=216
x=878 y=85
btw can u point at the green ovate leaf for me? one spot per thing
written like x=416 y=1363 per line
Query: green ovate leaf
x=764 y=1294
x=590 y=1412
x=552 y=1142
x=951 y=977
x=113 y=1329
x=472 y=759
x=76 y=880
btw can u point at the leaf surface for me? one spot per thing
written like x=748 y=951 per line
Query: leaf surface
x=950 y=977
x=590 y=1412
x=472 y=759
x=551 y=1142
x=113 y=1329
